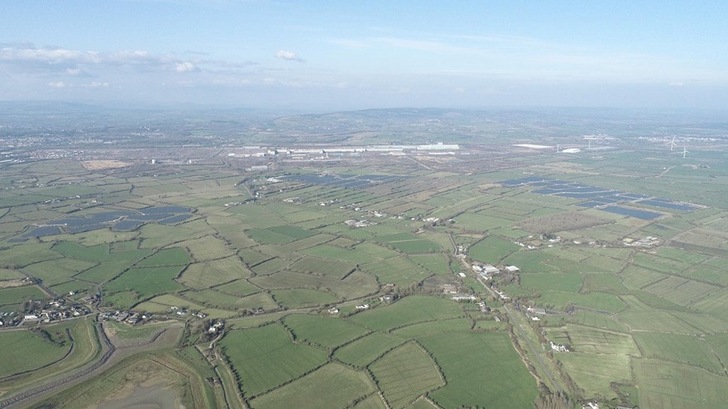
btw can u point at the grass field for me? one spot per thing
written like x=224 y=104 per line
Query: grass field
x=25 y=254
x=408 y=311
x=57 y=271
x=74 y=250
x=686 y=349
x=416 y=246
x=211 y=273
x=322 y=266
x=18 y=295
x=591 y=340
x=366 y=350
x=24 y=351
x=669 y=385
x=237 y=288
x=373 y=401
x=405 y=373
x=270 y=266
x=433 y=327
x=400 y=271
x=492 y=249
x=594 y=372
x=42 y=353
x=552 y=281
x=7 y=274
x=207 y=248
x=265 y=358
x=598 y=301
x=332 y=385
x=166 y=257
x=147 y=282
x=434 y=263
x=302 y=297
x=328 y=332
x=469 y=380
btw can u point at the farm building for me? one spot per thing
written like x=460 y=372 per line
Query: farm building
x=464 y=297
x=537 y=311
x=512 y=269
x=488 y=269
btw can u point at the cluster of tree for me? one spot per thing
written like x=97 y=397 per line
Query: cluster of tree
x=571 y=385
x=556 y=400
x=57 y=338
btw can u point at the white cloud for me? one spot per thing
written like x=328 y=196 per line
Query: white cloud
x=288 y=56
x=185 y=67
x=58 y=84
x=97 y=84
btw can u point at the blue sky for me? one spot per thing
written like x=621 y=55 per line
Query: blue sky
x=329 y=55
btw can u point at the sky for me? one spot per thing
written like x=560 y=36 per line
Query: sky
x=316 y=55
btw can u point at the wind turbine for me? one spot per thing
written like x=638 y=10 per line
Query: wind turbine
x=672 y=143
x=684 y=152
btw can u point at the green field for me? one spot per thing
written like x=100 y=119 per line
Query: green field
x=322 y=266
x=552 y=281
x=332 y=385
x=670 y=385
x=24 y=351
x=678 y=348
x=266 y=357
x=407 y=311
x=211 y=273
x=366 y=350
x=433 y=327
x=18 y=295
x=405 y=373
x=594 y=341
x=302 y=297
x=57 y=271
x=147 y=282
x=469 y=380
x=324 y=331
x=595 y=372
x=166 y=257
x=492 y=249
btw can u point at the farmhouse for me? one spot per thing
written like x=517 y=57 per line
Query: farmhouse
x=449 y=289
x=559 y=347
x=216 y=327
x=362 y=307
x=512 y=269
